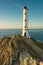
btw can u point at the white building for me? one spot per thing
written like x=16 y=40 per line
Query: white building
x=25 y=22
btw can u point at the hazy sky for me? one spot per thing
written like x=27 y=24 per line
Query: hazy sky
x=11 y=15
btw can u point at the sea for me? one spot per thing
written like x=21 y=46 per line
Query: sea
x=36 y=34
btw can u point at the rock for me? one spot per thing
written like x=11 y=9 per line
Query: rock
x=18 y=50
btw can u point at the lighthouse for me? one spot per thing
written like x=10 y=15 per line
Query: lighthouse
x=25 y=22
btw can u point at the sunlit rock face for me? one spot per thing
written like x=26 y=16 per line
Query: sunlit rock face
x=18 y=50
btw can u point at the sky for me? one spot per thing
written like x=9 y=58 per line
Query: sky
x=11 y=13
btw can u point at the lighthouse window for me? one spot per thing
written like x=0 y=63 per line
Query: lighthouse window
x=25 y=19
x=25 y=26
x=25 y=13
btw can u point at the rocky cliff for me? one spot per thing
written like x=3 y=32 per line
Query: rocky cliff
x=18 y=50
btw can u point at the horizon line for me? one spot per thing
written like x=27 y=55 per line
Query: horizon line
x=20 y=28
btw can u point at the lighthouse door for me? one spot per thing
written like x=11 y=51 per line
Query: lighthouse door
x=25 y=34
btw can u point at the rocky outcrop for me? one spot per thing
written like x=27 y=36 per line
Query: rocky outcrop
x=18 y=50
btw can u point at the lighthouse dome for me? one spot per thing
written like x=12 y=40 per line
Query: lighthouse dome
x=25 y=7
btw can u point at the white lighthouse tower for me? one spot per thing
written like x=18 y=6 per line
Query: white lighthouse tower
x=25 y=22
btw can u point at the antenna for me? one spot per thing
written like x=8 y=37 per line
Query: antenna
x=18 y=5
